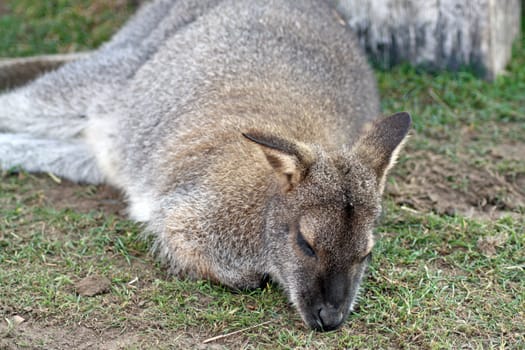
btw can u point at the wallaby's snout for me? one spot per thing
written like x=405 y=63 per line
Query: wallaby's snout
x=326 y=303
x=339 y=293
x=330 y=318
x=335 y=303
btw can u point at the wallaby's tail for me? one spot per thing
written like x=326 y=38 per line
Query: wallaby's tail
x=47 y=107
x=18 y=71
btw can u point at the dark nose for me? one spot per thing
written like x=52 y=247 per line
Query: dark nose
x=330 y=317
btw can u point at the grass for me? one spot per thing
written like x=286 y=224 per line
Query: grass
x=59 y=26
x=429 y=286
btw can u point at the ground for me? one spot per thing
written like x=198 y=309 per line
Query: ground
x=448 y=269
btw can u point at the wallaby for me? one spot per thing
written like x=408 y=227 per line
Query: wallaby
x=244 y=134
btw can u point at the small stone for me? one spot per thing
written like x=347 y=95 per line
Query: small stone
x=17 y=320
x=92 y=285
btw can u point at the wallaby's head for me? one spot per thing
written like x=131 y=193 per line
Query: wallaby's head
x=319 y=223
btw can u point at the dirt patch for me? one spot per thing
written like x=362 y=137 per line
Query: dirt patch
x=36 y=335
x=84 y=199
x=80 y=198
x=3 y=9
x=459 y=183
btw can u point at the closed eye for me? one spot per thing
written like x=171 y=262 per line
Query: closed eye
x=303 y=244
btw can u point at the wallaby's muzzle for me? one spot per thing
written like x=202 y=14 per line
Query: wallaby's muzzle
x=326 y=301
x=326 y=317
x=330 y=318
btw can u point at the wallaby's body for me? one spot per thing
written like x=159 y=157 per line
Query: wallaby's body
x=240 y=132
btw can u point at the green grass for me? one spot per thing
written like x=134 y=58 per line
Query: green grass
x=30 y=27
x=429 y=286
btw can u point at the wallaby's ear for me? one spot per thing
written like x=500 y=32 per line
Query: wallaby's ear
x=290 y=159
x=381 y=143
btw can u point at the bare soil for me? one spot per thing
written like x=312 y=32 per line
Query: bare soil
x=475 y=188
x=68 y=195
x=3 y=8
x=36 y=334
x=30 y=335
x=62 y=337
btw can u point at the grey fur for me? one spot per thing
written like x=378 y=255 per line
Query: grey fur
x=243 y=133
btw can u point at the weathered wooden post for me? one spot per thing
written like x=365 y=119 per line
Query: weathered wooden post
x=437 y=34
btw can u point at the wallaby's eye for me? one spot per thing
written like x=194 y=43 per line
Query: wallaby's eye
x=305 y=247
x=349 y=208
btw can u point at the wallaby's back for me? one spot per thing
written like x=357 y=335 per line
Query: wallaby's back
x=287 y=67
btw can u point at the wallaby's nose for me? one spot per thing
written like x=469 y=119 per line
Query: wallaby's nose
x=330 y=317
